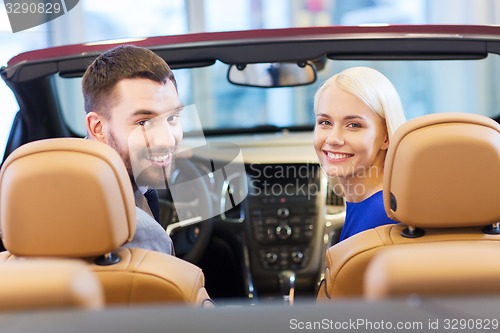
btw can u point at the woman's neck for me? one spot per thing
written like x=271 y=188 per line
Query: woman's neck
x=362 y=185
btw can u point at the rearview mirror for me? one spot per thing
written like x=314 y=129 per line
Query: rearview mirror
x=267 y=75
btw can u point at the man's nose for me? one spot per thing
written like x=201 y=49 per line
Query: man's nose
x=162 y=135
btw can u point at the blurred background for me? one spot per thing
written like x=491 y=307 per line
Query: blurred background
x=95 y=20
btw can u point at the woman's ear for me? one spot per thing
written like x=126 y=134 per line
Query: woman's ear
x=95 y=126
x=385 y=143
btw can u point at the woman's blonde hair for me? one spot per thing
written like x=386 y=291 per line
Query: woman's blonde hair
x=374 y=89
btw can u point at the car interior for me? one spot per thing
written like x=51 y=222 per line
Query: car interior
x=254 y=219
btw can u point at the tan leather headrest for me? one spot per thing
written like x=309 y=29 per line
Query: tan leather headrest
x=443 y=170
x=48 y=284
x=65 y=197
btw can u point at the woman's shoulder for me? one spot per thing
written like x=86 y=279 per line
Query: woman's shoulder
x=373 y=206
x=375 y=199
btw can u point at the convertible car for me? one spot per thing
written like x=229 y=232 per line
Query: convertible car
x=250 y=205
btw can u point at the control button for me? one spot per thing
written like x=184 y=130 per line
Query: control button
x=312 y=210
x=257 y=220
x=271 y=257
x=282 y=212
x=297 y=256
x=296 y=233
x=283 y=231
x=259 y=233
x=308 y=230
x=309 y=220
x=270 y=235
x=259 y=237
x=270 y=220
x=284 y=254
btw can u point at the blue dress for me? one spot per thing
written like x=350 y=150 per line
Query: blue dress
x=364 y=215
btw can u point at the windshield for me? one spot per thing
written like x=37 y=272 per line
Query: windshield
x=424 y=86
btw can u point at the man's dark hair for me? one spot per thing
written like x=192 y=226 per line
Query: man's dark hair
x=121 y=62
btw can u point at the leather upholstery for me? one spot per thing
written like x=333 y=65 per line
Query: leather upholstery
x=424 y=269
x=442 y=172
x=65 y=198
x=48 y=284
x=73 y=198
x=144 y=276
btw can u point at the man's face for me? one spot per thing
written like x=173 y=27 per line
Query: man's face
x=144 y=127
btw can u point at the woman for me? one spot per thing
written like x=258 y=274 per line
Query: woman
x=356 y=112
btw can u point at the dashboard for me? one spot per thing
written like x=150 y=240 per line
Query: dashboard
x=274 y=205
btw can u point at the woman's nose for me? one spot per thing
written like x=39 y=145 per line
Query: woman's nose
x=335 y=137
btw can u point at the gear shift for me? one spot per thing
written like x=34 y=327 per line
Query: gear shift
x=287 y=285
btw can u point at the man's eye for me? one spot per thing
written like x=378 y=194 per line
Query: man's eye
x=173 y=118
x=144 y=123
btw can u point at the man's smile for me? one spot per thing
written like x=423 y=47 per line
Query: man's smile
x=161 y=160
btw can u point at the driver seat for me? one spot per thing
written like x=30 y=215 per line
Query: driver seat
x=442 y=182
x=48 y=284
x=72 y=198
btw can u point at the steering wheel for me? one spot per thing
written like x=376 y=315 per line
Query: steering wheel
x=191 y=240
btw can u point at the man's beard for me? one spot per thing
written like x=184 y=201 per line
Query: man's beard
x=151 y=176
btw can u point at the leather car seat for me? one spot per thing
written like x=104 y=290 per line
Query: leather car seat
x=441 y=181
x=435 y=269
x=48 y=284
x=72 y=198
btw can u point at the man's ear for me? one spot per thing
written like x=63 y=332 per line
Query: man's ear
x=95 y=126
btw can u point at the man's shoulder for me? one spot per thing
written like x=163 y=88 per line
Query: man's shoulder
x=146 y=221
x=149 y=234
x=142 y=216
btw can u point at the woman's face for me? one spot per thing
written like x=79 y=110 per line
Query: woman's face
x=349 y=138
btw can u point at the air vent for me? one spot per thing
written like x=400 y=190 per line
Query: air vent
x=233 y=192
x=333 y=200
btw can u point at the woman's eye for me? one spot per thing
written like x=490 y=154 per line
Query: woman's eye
x=354 y=125
x=324 y=122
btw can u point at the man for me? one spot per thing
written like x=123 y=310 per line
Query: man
x=132 y=104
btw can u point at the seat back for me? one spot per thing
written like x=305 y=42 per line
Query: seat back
x=441 y=181
x=436 y=269
x=73 y=198
x=48 y=284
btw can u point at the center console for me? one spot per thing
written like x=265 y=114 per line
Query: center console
x=283 y=225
